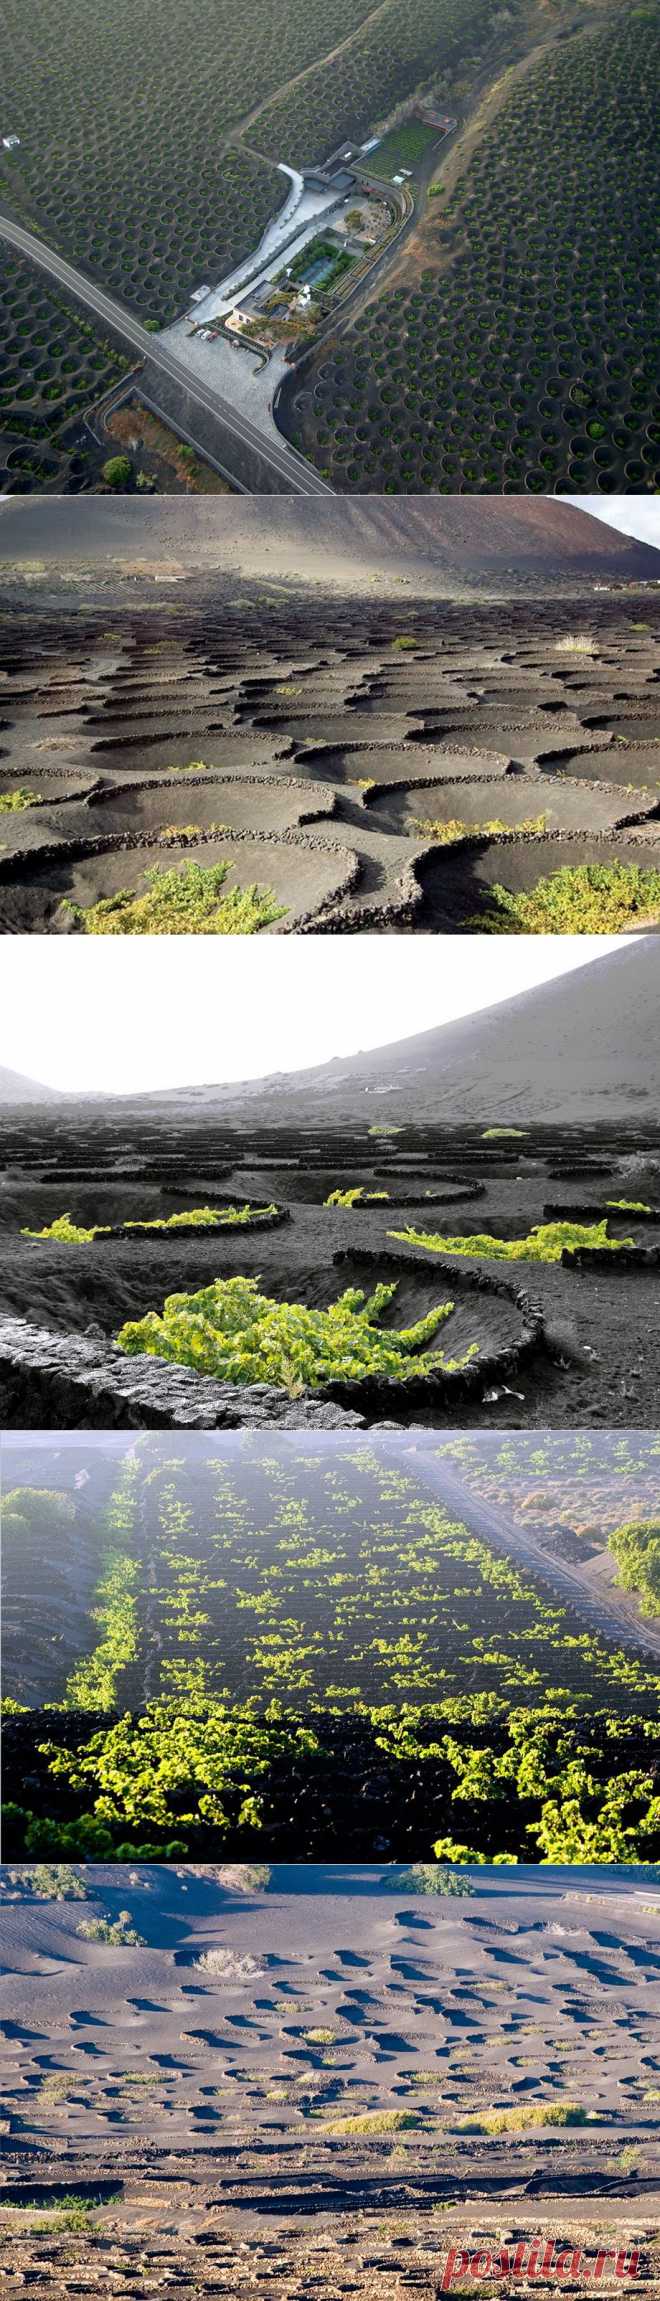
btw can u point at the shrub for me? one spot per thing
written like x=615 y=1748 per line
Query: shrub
x=244 y=1877
x=72 y=2214
x=369 y=2121
x=117 y=1933
x=194 y=1218
x=50 y=1882
x=429 y=1878
x=72 y=1233
x=449 y=834
x=545 y=1242
x=350 y=1197
x=226 y=1965
x=118 y=471
x=13 y=802
x=230 y=1330
x=576 y=643
x=192 y=901
x=519 y=2119
x=205 y=1218
x=588 y=899
x=636 y=1548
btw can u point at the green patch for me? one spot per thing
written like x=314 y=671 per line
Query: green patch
x=193 y=901
x=521 y=2119
x=192 y=1218
x=115 y=1933
x=368 y=2121
x=403 y=147
x=637 y=1551
x=545 y=1242
x=352 y=1196
x=590 y=899
x=429 y=1878
x=231 y=1331
x=13 y=802
x=451 y=834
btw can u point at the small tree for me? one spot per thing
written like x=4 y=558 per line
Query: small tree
x=118 y=472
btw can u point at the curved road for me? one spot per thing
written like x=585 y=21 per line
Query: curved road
x=294 y=475
x=504 y=1536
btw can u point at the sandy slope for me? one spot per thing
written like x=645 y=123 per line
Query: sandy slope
x=438 y=540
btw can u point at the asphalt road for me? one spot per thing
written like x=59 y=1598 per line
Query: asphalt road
x=481 y=1518
x=282 y=463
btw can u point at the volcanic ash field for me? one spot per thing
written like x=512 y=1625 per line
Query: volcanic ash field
x=372 y=764
x=221 y=2079
x=525 y=1342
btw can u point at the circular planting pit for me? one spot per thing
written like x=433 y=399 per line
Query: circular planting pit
x=516 y=802
x=191 y=730
x=240 y=803
x=139 y=753
x=485 y=1307
x=303 y=873
x=626 y=765
x=24 y=830
x=456 y=882
x=420 y=762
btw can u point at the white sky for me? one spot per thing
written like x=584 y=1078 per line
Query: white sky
x=633 y=514
x=126 y=1016
x=52 y=1440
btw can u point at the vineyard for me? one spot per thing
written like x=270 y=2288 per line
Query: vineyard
x=324 y=1575
x=248 y=764
x=126 y=161
x=401 y=47
x=196 y=2060
x=233 y=1642
x=523 y=353
x=54 y=367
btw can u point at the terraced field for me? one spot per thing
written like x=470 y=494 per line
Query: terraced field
x=312 y=2077
x=518 y=348
x=431 y=767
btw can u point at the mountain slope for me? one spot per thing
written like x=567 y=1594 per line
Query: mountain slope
x=450 y=541
x=578 y=1049
x=14 y=1088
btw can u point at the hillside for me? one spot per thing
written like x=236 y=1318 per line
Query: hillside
x=579 y=1049
x=451 y=542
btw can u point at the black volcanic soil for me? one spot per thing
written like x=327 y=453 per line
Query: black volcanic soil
x=191 y=2103
x=356 y=1506
x=333 y=725
x=558 y=1344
